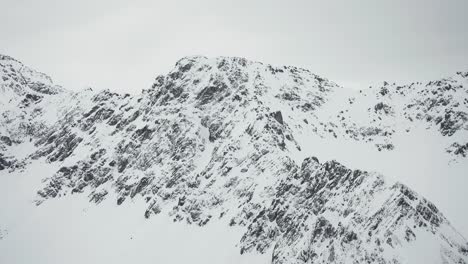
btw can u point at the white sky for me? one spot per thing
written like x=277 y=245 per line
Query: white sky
x=123 y=45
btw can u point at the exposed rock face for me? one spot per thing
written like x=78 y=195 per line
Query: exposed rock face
x=215 y=139
x=458 y=149
x=321 y=213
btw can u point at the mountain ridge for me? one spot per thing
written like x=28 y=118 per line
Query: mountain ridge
x=227 y=138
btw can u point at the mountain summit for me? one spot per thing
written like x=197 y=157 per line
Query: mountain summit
x=274 y=151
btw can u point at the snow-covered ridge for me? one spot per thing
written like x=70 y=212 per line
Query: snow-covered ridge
x=227 y=138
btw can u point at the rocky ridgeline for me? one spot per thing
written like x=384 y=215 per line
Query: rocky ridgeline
x=377 y=114
x=326 y=213
x=25 y=94
x=214 y=139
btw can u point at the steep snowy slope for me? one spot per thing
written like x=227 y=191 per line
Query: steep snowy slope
x=226 y=140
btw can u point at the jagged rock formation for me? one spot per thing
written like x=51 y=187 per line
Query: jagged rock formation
x=219 y=138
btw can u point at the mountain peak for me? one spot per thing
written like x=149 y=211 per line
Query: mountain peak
x=17 y=76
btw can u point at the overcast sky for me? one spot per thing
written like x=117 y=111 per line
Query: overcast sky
x=123 y=45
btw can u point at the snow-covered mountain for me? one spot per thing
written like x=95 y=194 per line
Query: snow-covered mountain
x=279 y=153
